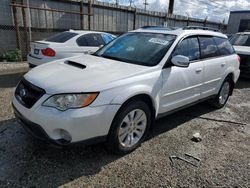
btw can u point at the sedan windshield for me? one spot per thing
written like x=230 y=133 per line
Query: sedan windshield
x=240 y=40
x=138 y=48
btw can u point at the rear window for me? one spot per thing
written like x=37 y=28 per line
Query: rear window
x=240 y=40
x=224 y=47
x=61 y=37
x=208 y=47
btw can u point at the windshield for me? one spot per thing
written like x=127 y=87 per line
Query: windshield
x=138 y=48
x=240 y=40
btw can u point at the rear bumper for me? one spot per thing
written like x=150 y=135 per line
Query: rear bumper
x=35 y=61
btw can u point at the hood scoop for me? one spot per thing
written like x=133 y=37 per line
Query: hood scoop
x=75 y=64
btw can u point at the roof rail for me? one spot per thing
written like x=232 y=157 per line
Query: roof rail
x=157 y=28
x=201 y=27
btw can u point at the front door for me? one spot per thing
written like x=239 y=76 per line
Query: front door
x=181 y=86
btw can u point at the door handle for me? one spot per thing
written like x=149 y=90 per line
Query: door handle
x=198 y=70
x=223 y=64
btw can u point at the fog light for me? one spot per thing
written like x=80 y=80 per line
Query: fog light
x=65 y=135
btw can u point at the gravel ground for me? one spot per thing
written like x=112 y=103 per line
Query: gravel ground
x=224 y=151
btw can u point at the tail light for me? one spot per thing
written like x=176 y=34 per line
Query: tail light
x=238 y=57
x=48 y=52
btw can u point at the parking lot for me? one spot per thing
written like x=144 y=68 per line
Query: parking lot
x=224 y=150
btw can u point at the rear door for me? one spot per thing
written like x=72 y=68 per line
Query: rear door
x=181 y=86
x=90 y=43
x=213 y=52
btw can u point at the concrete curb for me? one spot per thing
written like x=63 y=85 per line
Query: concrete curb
x=12 y=68
x=13 y=71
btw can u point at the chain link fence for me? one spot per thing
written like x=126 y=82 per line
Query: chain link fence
x=22 y=21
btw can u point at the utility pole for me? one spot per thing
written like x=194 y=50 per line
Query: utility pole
x=145 y=4
x=130 y=3
x=171 y=7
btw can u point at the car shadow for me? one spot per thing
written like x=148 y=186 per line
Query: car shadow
x=243 y=83
x=33 y=162
x=178 y=118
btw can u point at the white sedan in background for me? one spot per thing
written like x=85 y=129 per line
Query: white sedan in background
x=66 y=44
x=241 y=44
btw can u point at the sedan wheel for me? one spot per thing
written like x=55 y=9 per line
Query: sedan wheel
x=132 y=128
x=129 y=127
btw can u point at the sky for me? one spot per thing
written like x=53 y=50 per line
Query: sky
x=214 y=10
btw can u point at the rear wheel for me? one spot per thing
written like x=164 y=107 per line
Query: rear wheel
x=129 y=128
x=221 y=99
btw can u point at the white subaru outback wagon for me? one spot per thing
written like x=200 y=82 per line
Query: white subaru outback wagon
x=114 y=95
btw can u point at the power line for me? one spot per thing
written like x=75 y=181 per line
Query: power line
x=210 y=4
x=198 y=5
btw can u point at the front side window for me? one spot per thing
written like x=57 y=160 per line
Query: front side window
x=93 y=40
x=240 y=40
x=138 y=48
x=208 y=47
x=189 y=47
x=224 y=47
x=107 y=38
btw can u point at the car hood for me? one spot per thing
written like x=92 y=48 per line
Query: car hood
x=244 y=50
x=87 y=74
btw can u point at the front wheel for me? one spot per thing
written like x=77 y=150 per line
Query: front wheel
x=221 y=99
x=129 y=128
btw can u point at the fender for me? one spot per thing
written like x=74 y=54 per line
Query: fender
x=229 y=70
x=135 y=90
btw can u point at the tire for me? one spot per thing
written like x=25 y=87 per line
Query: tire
x=222 y=97
x=123 y=129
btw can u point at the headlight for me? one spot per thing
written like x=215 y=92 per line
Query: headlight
x=67 y=101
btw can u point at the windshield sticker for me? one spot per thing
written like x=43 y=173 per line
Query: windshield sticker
x=158 y=41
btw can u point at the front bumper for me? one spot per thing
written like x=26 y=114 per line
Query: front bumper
x=89 y=124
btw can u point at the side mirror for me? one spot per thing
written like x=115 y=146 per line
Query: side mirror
x=180 y=61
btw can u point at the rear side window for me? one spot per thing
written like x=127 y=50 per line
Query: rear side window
x=224 y=47
x=61 y=37
x=189 y=47
x=208 y=47
x=90 y=40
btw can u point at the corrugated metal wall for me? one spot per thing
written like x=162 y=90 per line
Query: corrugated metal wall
x=43 y=21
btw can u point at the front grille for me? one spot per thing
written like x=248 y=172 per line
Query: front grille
x=28 y=94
